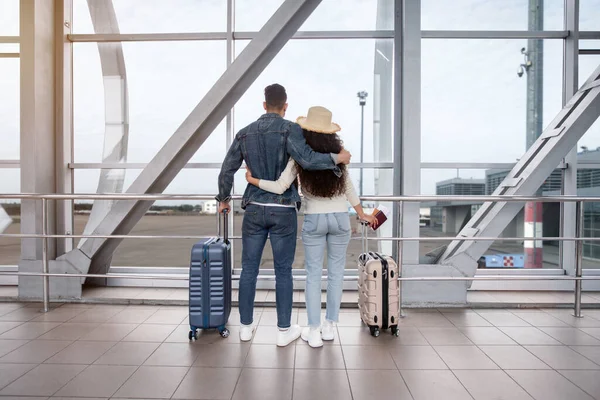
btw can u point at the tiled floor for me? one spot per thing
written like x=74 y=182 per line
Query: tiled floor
x=142 y=352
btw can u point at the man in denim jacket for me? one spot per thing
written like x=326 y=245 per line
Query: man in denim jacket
x=266 y=146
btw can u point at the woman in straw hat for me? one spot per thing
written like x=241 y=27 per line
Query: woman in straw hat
x=326 y=221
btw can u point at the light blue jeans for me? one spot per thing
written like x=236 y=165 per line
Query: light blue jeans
x=322 y=232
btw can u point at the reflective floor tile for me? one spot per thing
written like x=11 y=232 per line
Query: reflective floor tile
x=269 y=318
x=174 y=354
x=425 y=319
x=513 y=357
x=265 y=335
x=59 y=315
x=595 y=332
x=561 y=357
x=445 y=336
x=571 y=336
x=567 y=317
x=362 y=337
x=408 y=336
x=153 y=382
x=530 y=336
x=35 y=352
x=491 y=385
x=150 y=333
x=43 y=380
x=460 y=319
x=98 y=315
x=208 y=383
x=173 y=316
x=81 y=353
x=221 y=354
x=110 y=332
x=430 y=385
x=542 y=319
x=588 y=381
x=7 y=326
x=264 y=384
x=129 y=316
x=590 y=352
x=349 y=319
x=270 y=356
x=29 y=330
x=128 y=353
x=465 y=357
x=487 y=336
x=8 y=345
x=310 y=384
x=548 y=385
x=23 y=314
x=11 y=372
x=503 y=319
x=97 y=381
x=70 y=331
x=417 y=357
x=386 y=384
x=326 y=357
x=367 y=357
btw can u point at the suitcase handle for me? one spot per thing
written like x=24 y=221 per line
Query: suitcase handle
x=225 y=221
x=365 y=236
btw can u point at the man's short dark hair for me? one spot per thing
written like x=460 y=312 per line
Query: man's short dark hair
x=275 y=96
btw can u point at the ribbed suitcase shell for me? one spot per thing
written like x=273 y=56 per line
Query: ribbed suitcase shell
x=371 y=296
x=210 y=284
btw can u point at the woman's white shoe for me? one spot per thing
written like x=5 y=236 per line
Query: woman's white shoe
x=312 y=336
x=327 y=330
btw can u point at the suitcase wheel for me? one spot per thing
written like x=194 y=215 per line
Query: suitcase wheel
x=395 y=330
x=374 y=331
x=224 y=332
x=193 y=335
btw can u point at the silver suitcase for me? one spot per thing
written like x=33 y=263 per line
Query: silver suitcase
x=378 y=290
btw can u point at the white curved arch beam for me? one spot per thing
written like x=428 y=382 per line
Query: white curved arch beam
x=116 y=105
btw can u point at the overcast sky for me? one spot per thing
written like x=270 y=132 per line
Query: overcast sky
x=473 y=103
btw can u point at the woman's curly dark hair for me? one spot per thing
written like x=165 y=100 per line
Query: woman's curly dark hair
x=323 y=183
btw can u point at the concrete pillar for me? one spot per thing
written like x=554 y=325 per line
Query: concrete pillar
x=46 y=126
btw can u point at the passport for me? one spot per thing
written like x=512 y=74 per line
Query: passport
x=381 y=214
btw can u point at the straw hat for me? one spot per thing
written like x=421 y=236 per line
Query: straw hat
x=318 y=120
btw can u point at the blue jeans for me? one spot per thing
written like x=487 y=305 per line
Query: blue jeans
x=319 y=232
x=281 y=225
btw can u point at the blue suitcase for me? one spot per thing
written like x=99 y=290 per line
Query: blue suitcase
x=210 y=284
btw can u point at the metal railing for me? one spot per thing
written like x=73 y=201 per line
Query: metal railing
x=44 y=236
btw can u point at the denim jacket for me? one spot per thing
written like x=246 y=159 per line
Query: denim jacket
x=266 y=146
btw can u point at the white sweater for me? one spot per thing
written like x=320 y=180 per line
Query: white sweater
x=314 y=204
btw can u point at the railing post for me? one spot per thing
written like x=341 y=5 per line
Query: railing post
x=46 y=279
x=398 y=244
x=579 y=258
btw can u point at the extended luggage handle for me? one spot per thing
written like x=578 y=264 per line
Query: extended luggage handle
x=365 y=237
x=225 y=221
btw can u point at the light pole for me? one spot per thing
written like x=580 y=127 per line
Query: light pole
x=362 y=100
x=533 y=66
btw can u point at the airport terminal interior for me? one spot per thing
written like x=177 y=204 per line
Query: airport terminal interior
x=474 y=129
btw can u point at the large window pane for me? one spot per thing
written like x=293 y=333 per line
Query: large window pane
x=330 y=15
x=9 y=18
x=169 y=217
x=10 y=248
x=589 y=15
x=487 y=15
x=312 y=77
x=158 y=16
x=166 y=80
x=9 y=109
x=473 y=102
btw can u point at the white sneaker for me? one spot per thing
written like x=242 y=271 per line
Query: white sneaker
x=246 y=332
x=312 y=336
x=327 y=330
x=288 y=336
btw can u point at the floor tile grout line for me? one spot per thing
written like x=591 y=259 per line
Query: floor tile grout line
x=17 y=378
x=404 y=379
x=345 y=365
x=495 y=363
x=451 y=370
x=575 y=384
